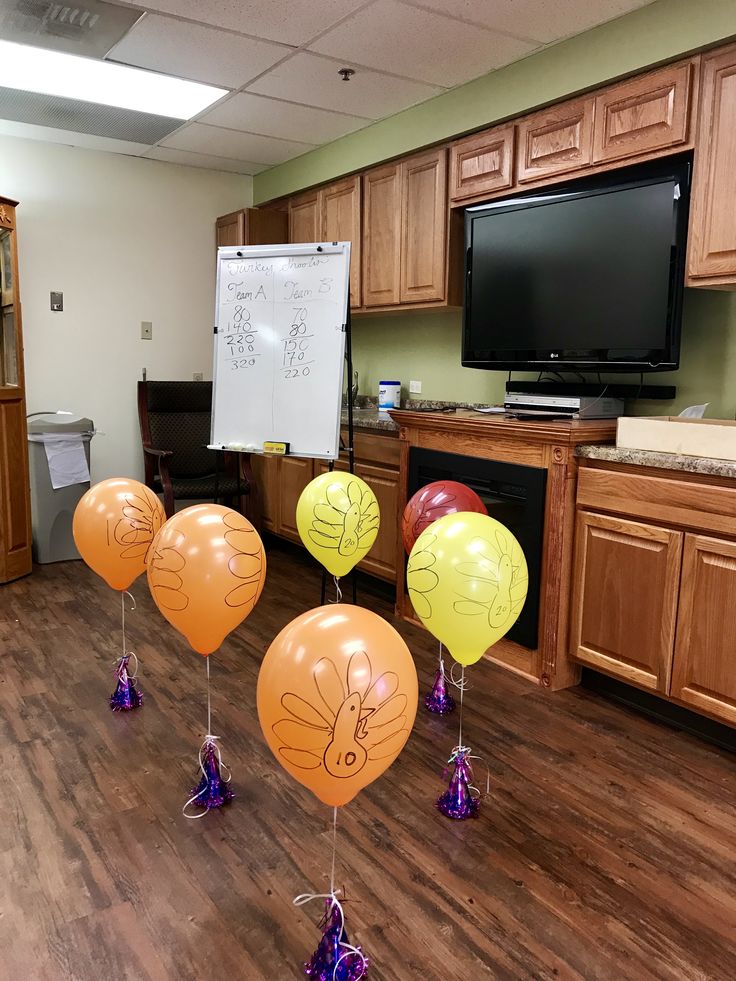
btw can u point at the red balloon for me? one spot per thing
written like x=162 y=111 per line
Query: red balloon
x=435 y=501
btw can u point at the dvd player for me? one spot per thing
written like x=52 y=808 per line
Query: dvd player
x=573 y=406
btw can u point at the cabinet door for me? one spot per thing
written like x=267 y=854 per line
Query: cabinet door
x=381 y=560
x=482 y=163
x=555 y=141
x=704 y=673
x=294 y=475
x=645 y=114
x=424 y=227
x=712 y=241
x=625 y=590
x=266 y=473
x=230 y=229
x=381 y=236
x=340 y=205
x=304 y=218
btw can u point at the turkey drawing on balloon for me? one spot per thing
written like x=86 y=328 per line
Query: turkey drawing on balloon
x=346 y=722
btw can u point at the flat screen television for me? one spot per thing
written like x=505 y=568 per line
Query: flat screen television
x=588 y=276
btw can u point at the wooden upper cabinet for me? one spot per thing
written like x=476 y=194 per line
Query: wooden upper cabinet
x=712 y=242
x=424 y=227
x=482 y=164
x=304 y=218
x=555 y=140
x=644 y=114
x=340 y=222
x=382 y=236
x=252 y=226
x=704 y=672
x=230 y=229
x=625 y=591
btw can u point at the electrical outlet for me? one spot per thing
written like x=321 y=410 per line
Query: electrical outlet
x=197 y=376
x=146 y=330
x=415 y=388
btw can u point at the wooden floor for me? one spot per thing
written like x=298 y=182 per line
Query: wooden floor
x=607 y=849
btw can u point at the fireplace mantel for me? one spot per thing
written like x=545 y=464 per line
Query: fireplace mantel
x=546 y=444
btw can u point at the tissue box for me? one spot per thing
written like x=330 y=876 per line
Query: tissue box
x=674 y=434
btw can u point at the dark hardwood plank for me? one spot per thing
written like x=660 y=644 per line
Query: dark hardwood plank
x=606 y=850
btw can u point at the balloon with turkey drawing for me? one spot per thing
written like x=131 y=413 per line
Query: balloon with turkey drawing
x=337 y=698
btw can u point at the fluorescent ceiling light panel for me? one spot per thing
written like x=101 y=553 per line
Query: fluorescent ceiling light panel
x=56 y=73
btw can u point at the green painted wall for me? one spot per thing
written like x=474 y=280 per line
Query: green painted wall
x=427 y=348
x=658 y=32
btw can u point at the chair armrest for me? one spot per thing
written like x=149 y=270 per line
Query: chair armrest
x=159 y=453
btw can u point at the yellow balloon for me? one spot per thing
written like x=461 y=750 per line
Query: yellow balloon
x=337 y=516
x=467 y=579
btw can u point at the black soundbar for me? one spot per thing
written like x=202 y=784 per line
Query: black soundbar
x=613 y=390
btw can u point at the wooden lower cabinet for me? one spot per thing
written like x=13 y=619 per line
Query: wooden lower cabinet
x=704 y=674
x=653 y=605
x=281 y=480
x=625 y=598
x=294 y=475
x=382 y=558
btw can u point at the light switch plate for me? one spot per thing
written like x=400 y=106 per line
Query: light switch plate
x=415 y=388
x=57 y=301
x=146 y=330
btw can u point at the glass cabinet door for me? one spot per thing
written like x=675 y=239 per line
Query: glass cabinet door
x=8 y=343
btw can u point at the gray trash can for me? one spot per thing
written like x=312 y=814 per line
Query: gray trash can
x=52 y=509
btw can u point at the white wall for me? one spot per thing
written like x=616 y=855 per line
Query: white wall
x=127 y=240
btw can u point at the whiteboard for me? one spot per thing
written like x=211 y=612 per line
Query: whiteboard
x=280 y=320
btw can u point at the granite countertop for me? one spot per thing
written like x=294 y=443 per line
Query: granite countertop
x=664 y=461
x=370 y=418
x=367 y=416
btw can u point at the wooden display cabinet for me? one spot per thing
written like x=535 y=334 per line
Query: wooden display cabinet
x=15 y=505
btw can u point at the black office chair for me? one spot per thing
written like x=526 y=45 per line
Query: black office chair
x=175 y=421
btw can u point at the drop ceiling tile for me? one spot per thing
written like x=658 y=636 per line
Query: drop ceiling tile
x=314 y=80
x=204 y=54
x=237 y=146
x=543 y=20
x=277 y=20
x=394 y=37
x=188 y=159
x=272 y=117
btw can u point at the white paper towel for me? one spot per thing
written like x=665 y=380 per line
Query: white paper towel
x=67 y=460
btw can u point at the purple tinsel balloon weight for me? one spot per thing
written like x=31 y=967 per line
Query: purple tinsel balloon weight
x=458 y=801
x=439 y=700
x=212 y=790
x=332 y=960
x=126 y=696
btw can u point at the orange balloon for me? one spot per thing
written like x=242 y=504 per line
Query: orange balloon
x=337 y=699
x=113 y=527
x=206 y=572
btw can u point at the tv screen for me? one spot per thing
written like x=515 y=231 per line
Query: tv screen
x=588 y=276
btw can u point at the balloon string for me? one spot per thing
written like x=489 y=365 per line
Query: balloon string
x=461 y=685
x=338 y=591
x=209 y=706
x=462 y=692
x=348 y=949
x=123 y=594
x=334 y=849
